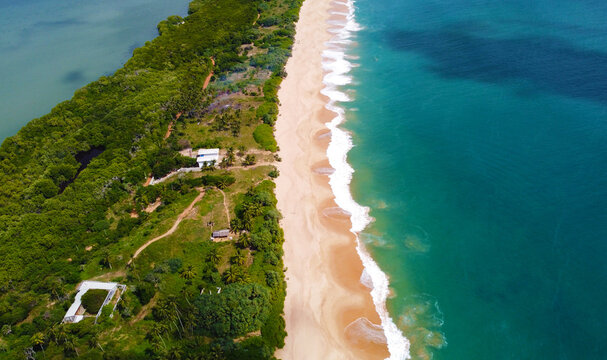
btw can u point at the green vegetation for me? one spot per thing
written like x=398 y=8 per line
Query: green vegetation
x=264 y=135
x=93 y=299
x=73 y=204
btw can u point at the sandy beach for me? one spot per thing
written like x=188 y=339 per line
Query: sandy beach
x=327 y=308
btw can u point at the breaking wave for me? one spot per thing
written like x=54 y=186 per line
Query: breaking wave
x=337 y=68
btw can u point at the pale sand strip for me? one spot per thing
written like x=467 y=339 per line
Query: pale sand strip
x=324 y=293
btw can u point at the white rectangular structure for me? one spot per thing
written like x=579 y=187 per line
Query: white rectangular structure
x=207 y=157
x=85 y=286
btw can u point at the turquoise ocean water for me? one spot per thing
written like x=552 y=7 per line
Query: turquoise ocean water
x=480 y=146
x=48 y=49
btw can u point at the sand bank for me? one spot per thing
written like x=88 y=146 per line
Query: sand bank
x=329 y=313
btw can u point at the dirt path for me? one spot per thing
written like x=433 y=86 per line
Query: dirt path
x=108 y=276
x=258 y=15
x=169 y=175
x=208 y=79
x=181 y=216
x=171 y=124
x=145 y=309
x=170 y=129
x=148 y=181
x=225 y=205
x=258 y=164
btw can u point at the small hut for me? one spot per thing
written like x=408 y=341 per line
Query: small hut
x=221 y=233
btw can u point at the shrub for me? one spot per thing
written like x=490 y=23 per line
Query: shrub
x=270 y=88
x=237 y=310
x=93 y=299
x=269 y=21
x=175 y=265
x=249 y=160
x=144 y=292
x=267 y=112
x=274 y=174
x=46 y=187
x=273 y=331
x=264 y=136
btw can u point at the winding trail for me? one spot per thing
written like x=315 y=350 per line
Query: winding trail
x=171 y=124
x=181 y=216
x=170 y=129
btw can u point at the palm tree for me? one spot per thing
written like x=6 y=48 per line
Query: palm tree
x=230 y=275
x=163 y=310
x=172 y=303
x=239 y=258
x=174 y=353
x=243 y=277
x=69 y=345
x=158 y=350
x=214 y=256
x=244 y=241
x=252 y=209
x=156 y=332
x=57 y=289
x=188 y=273
x=190 y=321
x=94 y=341
x=247 y=222
x=105 y=260
x=230 y=156
x=39 y=340
x=223 y=183
x=224 y=163
x=185 y=292
x=57 y=334
x=236 y=225
x=249 y=160
x=6 y=330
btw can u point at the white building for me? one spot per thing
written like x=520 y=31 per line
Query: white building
x=207 y=157
x=74 y=313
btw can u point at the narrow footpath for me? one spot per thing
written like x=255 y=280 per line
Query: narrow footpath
x=181 y=216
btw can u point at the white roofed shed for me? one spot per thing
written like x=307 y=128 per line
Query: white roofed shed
x=207 y=157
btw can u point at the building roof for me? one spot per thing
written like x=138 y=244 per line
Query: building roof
x=221 y=233
x=83 y=288
x=207 y=158
x=205 y=152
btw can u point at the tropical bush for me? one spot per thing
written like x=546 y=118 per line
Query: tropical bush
x=264 y=136
x=93 y=299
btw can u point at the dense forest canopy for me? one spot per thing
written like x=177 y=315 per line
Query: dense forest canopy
x=73 y=204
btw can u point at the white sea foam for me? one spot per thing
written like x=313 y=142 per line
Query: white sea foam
x=366 y=280
x=337 y=67
x=362 y=329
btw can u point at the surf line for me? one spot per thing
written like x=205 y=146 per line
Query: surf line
x=337 y=68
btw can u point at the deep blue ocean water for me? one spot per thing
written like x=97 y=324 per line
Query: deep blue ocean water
x=480 y=132
x=48 y=49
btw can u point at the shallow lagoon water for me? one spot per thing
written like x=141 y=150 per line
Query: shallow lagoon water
x=51 y=48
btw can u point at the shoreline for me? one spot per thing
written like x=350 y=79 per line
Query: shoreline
x=329 y=313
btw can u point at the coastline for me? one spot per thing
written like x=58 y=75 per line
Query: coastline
x=329 y=313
